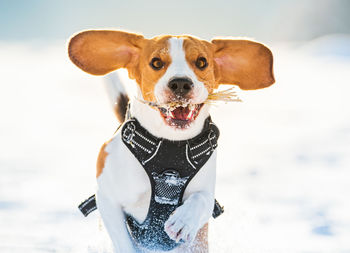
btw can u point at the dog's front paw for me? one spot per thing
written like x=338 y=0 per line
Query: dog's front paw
x=183 y=224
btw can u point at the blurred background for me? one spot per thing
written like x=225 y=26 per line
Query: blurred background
x=270 y=21
x=284 y=158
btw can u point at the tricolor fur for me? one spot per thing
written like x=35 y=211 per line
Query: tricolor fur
x=174 y=74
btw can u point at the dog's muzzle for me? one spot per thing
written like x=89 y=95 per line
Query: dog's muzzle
x=180 y=86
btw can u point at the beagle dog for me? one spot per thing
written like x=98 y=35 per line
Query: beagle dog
x=174 y=75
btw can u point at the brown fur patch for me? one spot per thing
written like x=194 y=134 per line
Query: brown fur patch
x=99 y=52
x=121 y=106
x=195 y=48
x=144 y=74
x=101 y=159
x=200 y=244
x=245 y=63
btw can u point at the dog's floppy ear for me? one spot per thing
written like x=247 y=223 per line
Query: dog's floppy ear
x=99 y=52
x=245 y=63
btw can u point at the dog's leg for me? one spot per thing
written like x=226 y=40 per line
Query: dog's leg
x=196 y=210
x=114 y=221
x=187 y=219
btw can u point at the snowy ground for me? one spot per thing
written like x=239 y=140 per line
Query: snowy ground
x=284 y=156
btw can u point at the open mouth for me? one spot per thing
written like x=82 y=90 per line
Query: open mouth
x=180 y=115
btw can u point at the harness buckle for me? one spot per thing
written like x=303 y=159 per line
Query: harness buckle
x=129 y=133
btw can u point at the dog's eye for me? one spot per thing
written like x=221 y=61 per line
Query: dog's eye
x=156 y=63
x=201 y=63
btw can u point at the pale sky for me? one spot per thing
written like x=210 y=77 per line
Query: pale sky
x=268 y=20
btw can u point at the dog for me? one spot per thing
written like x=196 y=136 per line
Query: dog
x=146 y=204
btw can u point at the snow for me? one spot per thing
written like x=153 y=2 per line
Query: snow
x=283 y=165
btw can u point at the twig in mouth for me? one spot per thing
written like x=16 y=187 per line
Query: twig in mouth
x=228 y=95
x=154 y=104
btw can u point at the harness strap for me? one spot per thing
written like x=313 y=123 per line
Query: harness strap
x=89 y=205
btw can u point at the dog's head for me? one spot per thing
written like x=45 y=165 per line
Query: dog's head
x=176 y=73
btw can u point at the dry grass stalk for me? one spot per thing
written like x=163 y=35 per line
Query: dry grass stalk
x=228 y=95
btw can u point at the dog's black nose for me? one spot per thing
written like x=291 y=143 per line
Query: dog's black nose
x=180 y=86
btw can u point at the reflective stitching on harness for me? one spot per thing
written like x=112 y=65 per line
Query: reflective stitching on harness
x=149 y=159
x=201 y=153
x=87 y=202
x=205 y=151
x=140 y=146
x=201 y=144
x=188 y=159
x=146 y=139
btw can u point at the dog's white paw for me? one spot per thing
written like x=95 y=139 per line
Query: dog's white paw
x=182 y=224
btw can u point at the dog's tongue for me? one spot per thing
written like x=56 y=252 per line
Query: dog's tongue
x=181 y=113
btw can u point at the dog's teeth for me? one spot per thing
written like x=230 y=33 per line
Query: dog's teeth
x=189 y=116
x=171 y=115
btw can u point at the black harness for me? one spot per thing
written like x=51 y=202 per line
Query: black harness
x=170 y=166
